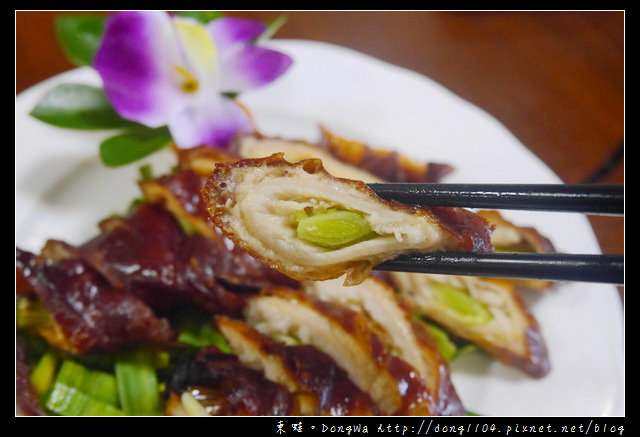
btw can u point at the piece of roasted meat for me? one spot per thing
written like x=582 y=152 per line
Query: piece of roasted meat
x=488 y=312
x=300 y=220
x=351 y=340
x=214 y=383
x=392 y=318
x=76 y=310
x=318 y=385
x=388 y=165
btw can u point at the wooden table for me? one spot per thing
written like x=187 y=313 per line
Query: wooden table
x=554 y=79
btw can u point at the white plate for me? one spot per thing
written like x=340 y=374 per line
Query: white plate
x=62 y=191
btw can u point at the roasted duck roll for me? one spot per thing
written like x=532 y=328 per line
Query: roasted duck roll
x=388 y=165
x=318 y=385
x=257 y=146
x=404 y=337
x=349 y=339
x=300 y=220
x=487 y=312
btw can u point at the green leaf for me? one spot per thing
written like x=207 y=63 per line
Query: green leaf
x=80 y=36
x=133 y=144
x=201 y=16
x=78 y=106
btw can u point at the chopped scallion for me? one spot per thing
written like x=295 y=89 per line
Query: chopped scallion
x=98 y=385
x=447 y=348
x=44 y=372
x=333 y=228
x=68 y=401
x=459 y=305
x=138 y=387
x=195 y=328
x=204 y=336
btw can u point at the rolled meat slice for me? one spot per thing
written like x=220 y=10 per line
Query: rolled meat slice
x=318 y=385
x=388 y=165
x=257 y=146
x=348 y=338
x=488 y=312
x=309 y=225
x=408 y=339
x=213 y=383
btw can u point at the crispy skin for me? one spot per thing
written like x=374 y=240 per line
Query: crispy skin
x=347 y=337
x=148 y=254
x=513 y=335
x=225 y=387
x=180 y=194
x=203 y=159
x=319 y=386
x=91 y=315
x=388 y=165
x=254 y=201
x=259 y=146
x=392 y=318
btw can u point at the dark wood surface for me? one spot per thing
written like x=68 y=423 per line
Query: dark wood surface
x=554 y=79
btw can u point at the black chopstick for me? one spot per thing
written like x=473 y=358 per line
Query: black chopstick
x=542 y=266
x=599 y=199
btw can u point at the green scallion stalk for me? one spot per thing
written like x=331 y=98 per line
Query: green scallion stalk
x=447 y=348
x=459 y=305
x=44 y=372
x=97 y=385
x=333 y=228
x=68 y=401
x=204 y=336
x=138 y=387
x=195 y=328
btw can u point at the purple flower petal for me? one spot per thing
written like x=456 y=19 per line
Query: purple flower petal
x=137 y=61
x=251 y=67
x=213 y=125
x=227 y=32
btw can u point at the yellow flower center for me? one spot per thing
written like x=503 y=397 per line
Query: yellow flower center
x=190 y=83
x=200 y=53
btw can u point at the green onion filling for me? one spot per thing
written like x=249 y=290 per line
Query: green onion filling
x=447 y=348
x=460 y=305
x=333 y=229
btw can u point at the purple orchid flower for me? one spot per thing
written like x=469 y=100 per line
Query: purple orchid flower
x=160 y=70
